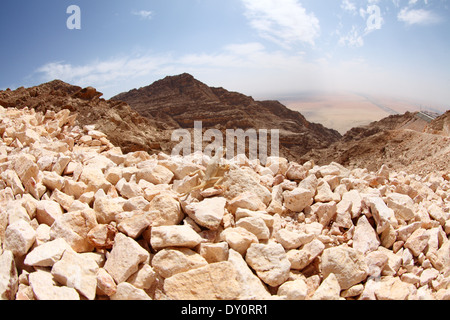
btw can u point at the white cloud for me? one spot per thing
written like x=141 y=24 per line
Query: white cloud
x=352 y=39
x=102 y=74
x=285 y=22
x=418 y=16
x=349 y=6
x=144 y=14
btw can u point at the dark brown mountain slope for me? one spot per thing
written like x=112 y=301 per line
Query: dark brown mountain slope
x=179 y=101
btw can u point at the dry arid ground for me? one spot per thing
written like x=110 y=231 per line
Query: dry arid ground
x=343 y=111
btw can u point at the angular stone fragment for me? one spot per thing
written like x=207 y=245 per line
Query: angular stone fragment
x=292 y=240
x=102 y=236
x=164 y=211
x=169 y=262
x=144 y=278
x=270 y=262
x=105 y=283
x=9 y=280
x=214 y=252
x=381 y=213
x=238 y=181
x=125 y=257
x=347 y=264
x=48 y=211
x=300 y=259
x=156 y=175
x=246 y=200
x=94 y=179
x=329 y=289
x=126 y=291
x=417 y=242
x=135 y=224
x=74 y=228
x=19 y=237
x=106 y=209
x=365 y=238
x=208 y=213
x=174 y=236
x=294 y=290
x=402 y=205
x=255 y=225
x=78 y=272
x=252 y=287
x=392 y=288
x=238 y=239
x=47 y=254
x=298 y=199
x=44 y=288
x=217 y=281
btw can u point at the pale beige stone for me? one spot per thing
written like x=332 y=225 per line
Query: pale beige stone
x=135 y=224
x=217 y=281
x=74 y=228
x=294 y=290
x=325 y=212
x=63 y=199
x=47 y=254
x=48 y=211
x=106 y=209
x=19 y=237
x=381 y=213
x=164 y=211
x=418 y=241
x=238 y=181
x=214 y=252
x=238 y=239
x=126 y=291
x=174 y=236
x=144 y=278
x=44 y=288
x=9 y=280
x=347 y=264
x=402 y=205
x=329 y=289
x=392 y=288
x=298 y=199
x=365 y=239
x=125 y=258
x=207 y=213
x=105 y=283
x=156 y=175
x=102 y=236
x=292 y=239
x=247 y=200
x=78 y=272
x=270 y=262
x=255 y=225
x=169 y=262
x=94 y=179
x=300 y=259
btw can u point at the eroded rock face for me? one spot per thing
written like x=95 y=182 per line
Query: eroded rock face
x=79 y=219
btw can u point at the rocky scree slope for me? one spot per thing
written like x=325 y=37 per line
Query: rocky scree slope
x=124 y=127
x=179 y=101
x=80 y=219
x=402 y=142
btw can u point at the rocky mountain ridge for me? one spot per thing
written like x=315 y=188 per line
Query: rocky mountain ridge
x=181 y=100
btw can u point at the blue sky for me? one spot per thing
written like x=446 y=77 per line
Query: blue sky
x=263 y=48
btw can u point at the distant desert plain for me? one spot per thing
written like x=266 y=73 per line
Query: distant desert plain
x=343 y=111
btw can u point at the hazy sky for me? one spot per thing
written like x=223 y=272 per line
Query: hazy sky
x=263 y=48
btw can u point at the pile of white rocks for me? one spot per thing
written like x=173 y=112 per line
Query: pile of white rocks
x=81 y=220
